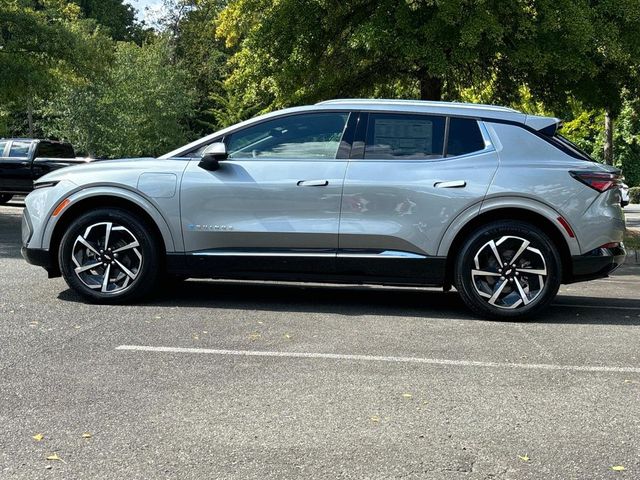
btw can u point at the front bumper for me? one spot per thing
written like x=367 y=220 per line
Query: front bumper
x=598 y=263
x=41 y=258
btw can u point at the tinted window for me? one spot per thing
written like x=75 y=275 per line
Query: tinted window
x=54 y=150
x=19 y=149
x=2 y=145
x=311 y=136
x=464 y=137
x=404 y=136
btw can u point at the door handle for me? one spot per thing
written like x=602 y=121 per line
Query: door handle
x=452 y=184
x=313 y=183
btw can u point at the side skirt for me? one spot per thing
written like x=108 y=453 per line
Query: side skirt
x=323 y=267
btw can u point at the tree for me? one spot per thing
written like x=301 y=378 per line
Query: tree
x=297 y=51
x=43 y=45
x=140 y=107
x=118 y=17
x=587 y=51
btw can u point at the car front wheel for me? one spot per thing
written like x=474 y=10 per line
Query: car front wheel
x=109 y=256
x=508 y=270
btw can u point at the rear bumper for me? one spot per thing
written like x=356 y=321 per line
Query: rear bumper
x=41 y=258
x=598 y=263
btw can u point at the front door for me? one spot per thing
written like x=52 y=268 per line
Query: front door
x=274 y=204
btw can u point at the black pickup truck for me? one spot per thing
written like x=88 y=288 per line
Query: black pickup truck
x=24 y=160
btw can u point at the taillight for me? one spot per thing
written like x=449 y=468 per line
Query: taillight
x=600 y=181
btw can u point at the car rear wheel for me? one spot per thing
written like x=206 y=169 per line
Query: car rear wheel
x=109 y=256
x=5 y=197
x=508 y=270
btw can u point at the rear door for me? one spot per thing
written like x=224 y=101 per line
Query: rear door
x=274 y=204
x=15 y=167
x=410 y=175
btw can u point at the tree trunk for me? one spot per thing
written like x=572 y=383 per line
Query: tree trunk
x=30 y=118
x=608 y=137
x=430 y=87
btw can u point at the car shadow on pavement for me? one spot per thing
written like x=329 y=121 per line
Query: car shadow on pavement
x=364 y=300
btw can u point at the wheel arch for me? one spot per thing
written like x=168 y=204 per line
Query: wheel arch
x=80 y=204
x=560 y=239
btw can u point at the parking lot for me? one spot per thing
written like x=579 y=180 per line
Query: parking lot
x=220 y=379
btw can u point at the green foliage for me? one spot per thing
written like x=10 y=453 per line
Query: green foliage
x=139 y=108
x=43 y=45
x=204 y=57
x=294 y=51
x=627 y=141
x=634 y=195
x=118 y=17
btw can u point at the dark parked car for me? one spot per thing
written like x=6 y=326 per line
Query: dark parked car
x=24 y=160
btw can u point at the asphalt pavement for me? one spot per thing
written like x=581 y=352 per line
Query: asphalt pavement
x=240 y=380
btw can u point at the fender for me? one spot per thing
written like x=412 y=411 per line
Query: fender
x=503 y=202
x=124 y=193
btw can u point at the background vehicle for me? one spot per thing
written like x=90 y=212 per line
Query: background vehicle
x=485 y=198
x=624 y=194
x=24 y=160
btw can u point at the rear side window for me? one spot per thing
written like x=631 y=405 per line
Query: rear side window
x=2 y=145
x=464 y=137
x=54 y=150
x=19 y=149
x=400 y=136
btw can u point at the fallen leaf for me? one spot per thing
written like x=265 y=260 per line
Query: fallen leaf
x=524 y=458
x=38 y=437
x=48 y=467
x=55 y=457
x=287 y=336
x=407 y=395
x=254 y=336
x=618 y=468
x=375 y=418
x=86 y=435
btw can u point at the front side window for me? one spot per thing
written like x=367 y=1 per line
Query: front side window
x=306 y=136
x=464 y=137
x=405 y=137
x=19 y=149
x=2 y=145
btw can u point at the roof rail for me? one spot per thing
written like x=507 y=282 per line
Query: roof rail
x=425 y=103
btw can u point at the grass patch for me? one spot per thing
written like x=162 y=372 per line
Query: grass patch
x=632 y=239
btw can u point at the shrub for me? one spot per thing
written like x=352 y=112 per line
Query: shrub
x=634 y=195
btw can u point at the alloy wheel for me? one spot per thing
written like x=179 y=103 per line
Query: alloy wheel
x=509 y=273
x=107 y=257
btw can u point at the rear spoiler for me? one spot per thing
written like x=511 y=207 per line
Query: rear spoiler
x=545 y=125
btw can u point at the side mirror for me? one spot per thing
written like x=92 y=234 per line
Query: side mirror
x=213 y=155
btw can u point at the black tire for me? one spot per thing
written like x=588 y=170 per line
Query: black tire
x=141 y=261
x=518 y=284
x=5 y=198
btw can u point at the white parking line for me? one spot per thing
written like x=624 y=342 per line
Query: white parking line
x=372 y=358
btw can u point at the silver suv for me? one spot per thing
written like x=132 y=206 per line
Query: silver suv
x=483 y=198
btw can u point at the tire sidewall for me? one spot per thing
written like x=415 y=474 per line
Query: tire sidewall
x=148 y=274
x=496 y=230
